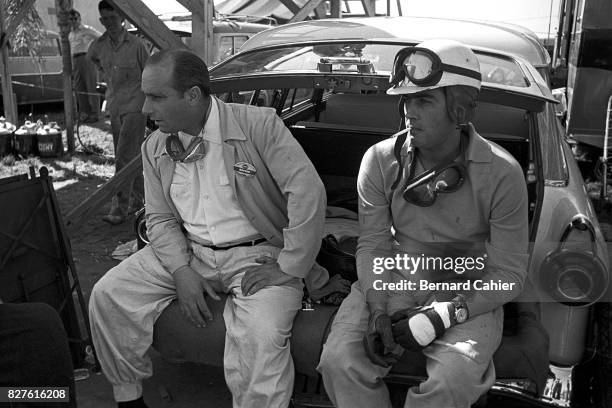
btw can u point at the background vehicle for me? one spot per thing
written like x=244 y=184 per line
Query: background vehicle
x=229 y=32
x=583 y=52
x=327 y=81
x=38 y=79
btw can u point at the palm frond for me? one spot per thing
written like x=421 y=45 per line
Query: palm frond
x=27 y=39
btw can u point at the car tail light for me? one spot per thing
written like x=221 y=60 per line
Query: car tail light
x=575 y=276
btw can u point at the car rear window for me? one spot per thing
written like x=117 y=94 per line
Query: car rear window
x=350 y=57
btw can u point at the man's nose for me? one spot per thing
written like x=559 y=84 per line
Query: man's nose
x=145 y=107
x=410 y=111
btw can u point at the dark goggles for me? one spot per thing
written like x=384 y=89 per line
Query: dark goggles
x=194 y=152
x=423 y=189
x=423 y=67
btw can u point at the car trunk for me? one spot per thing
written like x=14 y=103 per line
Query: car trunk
x=336 y=137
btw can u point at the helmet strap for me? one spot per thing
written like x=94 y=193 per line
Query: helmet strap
x=399 y=143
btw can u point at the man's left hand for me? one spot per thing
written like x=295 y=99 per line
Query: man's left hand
x=268 y=273
x=416 y=328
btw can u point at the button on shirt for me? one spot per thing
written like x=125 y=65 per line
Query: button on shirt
x=81 y=38
x=202 y=194
x=121 y=64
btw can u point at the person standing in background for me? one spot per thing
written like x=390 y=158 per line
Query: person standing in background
x=84 y=73
x=121 y=57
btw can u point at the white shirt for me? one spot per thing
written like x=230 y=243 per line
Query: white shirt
x=81 y=38
x=202 y=194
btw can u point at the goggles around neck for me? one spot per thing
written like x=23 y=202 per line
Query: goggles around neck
x=424 y=67
x=194 y=152
x=423 y=189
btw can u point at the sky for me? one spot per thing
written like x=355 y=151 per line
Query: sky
x=533 y=14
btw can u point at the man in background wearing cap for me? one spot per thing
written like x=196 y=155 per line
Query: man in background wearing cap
x=482 y=214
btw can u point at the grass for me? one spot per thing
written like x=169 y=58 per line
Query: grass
x=93 y=156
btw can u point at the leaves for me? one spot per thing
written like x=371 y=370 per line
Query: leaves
x=27 y=38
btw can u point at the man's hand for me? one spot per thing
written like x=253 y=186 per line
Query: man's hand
x=378 y=341
x=416 y=328
x=190 y=288
x=268 y=273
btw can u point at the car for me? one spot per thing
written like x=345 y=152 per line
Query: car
x=327 y=80
x=38 y=79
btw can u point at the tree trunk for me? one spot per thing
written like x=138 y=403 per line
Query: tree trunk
x=10 y=110
x=62 y=8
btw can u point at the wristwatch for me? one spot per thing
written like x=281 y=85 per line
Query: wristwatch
x=461 y=310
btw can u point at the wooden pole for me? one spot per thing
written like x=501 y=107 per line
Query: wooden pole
x=202 y=20
x=63 y=8
x=10 y=109
x=148 y=23
x=294 y=8
x=77 y=215
x=335 y=8
x=305 y=10
x=369 y=6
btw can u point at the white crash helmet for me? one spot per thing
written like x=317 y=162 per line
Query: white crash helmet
x=434 y=64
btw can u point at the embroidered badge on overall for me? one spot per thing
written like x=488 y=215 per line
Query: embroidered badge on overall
x=245 y=169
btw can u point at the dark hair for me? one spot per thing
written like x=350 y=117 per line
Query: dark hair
x=105 y=5
x=461 y=102
x=74 y=13
x=188 y=70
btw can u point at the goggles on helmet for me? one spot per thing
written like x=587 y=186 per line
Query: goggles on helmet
x=423 y=189
x=194 y=152
x=423 y=67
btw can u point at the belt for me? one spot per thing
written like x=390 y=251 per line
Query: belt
x=78 y=54
x=242 y=244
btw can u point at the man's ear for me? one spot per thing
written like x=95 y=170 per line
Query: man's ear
x=194 y=95
x=461 y=115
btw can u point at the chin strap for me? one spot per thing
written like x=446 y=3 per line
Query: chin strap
x=399 y=143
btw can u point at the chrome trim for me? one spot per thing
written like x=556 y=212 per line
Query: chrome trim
x=558 y=390
x=556 y=183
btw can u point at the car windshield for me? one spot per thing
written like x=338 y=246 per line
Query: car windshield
x=350 y=57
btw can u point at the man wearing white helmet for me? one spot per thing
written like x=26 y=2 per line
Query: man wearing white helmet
x=437 y=191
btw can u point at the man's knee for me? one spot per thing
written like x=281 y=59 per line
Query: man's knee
x=103 y=290
x=336 y=358
x=264 y=332
x=463 y=378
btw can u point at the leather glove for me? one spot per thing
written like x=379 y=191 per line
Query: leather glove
x=416 y=328
x=378 y=341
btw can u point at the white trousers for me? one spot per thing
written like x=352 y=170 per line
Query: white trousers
x=459 y=367
x=127 y=300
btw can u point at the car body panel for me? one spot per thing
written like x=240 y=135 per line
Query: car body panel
x=510 y=38
x=306 y=53
x=38 y=79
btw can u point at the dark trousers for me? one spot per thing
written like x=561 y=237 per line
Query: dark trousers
x=85 y=85
x=128 y=131
x=34 y=351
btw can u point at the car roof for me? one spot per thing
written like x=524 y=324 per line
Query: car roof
x=509 y=38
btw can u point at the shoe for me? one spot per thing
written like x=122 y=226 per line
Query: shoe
x=113 y=219
x=115 y=216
